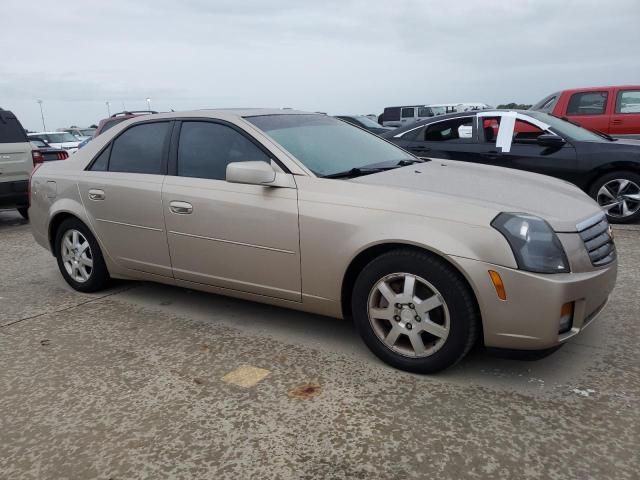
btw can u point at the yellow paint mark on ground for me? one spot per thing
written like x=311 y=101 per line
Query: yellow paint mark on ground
x=245 y=376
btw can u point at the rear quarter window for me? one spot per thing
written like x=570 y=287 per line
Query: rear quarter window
x=11 y=130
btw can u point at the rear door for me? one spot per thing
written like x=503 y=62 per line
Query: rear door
x=122 y=193
x=16 y=161
x=590 y=110
x=453 y=139
x=229 y=235
x=625 y=120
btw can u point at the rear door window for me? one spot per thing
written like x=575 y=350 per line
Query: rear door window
x=10 y=129
x=628 y=101
x=139 y=149
x=456 y=130
x=391 y=114
x=587 y=103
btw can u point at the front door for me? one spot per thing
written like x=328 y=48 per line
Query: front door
x=122 y=195
x=234 y=236
x=524 y=153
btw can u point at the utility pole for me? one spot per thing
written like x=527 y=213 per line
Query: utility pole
x=108 y=108
x=44 y=127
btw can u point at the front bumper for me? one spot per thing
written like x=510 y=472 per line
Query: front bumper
x=529 y=318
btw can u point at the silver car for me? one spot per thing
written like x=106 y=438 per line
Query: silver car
x=307 y=212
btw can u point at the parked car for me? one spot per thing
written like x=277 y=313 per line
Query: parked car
x=47 y=151
x=110 y=122
x=80 y=133
x=611 y=110
x=609 y=171
x=365 y=122
x=63 y=140
x=17 y=159
x=308 y=212
x=399 y=116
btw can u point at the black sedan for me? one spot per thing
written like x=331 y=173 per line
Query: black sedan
x=366 y=123
x=607 y=169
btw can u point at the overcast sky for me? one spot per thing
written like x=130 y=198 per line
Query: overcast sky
x=336 y=56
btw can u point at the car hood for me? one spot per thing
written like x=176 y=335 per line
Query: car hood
x=560 y=203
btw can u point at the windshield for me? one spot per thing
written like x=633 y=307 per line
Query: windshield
x=36 y=142
x=438 y=110
x=326 y=145
x=61 y=137
x=87 y=132
x=566 y=129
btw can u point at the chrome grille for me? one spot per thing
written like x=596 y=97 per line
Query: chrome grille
x=598 y=241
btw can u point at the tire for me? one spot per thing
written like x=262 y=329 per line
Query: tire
x=97 y=276
x=436 y=281
x=24 y=211
x=618 y=188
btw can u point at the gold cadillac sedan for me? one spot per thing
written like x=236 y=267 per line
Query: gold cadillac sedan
x=308 y=212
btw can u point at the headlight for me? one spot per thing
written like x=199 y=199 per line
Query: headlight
x=534 y=243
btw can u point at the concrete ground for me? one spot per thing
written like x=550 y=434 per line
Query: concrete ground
x=142 y=381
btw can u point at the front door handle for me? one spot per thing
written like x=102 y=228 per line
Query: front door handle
x=617 y=121
x=180 y=208
x=96 y=194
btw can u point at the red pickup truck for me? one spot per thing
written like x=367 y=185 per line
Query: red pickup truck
x=612 y=110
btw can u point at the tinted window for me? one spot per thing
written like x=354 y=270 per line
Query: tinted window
x=587 y=103
x=391 y=114
x=139 y=149
x=10 y=129
x=454 y=130
x=525 y=132
x=424 y=112
x=102 y=162
x=206 y=148
x=407 y=112
x=628 y=101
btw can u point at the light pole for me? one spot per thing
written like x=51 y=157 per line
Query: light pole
x=108 y=104
x=42 y=115
x=149 y=104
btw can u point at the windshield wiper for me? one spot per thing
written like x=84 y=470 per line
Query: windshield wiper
x=358 y=171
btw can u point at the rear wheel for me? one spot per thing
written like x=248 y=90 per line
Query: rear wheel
x=24 y=211
x=618 y=194
x=79 y=257
x=414 y=311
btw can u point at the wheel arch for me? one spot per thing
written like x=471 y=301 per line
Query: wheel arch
x=362 y=258
x=622 y=166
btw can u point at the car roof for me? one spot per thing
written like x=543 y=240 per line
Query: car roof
x=45 y=133
x=226 y=113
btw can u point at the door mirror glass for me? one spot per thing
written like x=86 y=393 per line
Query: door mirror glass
x=550 y=140
x=252 y=173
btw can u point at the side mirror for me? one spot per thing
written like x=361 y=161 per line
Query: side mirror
x=257 y=173
x=550 y=140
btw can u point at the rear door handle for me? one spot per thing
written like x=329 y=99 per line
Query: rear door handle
x=617 y=121
x=96 y=194
x=180 y=208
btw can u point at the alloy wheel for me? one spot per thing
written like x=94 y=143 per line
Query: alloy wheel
x=408 y=315
x=619 y=198
x=76 y=256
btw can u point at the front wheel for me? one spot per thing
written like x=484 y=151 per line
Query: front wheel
x=618 y=194
x=414 y=311
x=79 y=257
